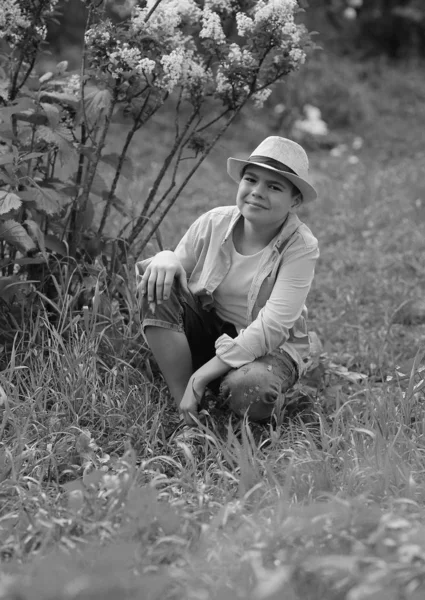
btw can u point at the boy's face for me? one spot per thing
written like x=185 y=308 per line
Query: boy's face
x=265 y=197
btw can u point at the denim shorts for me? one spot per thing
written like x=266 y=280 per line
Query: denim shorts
x=254 y=388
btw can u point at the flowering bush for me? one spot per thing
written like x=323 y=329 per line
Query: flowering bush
x=206 y=59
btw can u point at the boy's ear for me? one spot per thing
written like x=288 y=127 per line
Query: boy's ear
x=296 y=201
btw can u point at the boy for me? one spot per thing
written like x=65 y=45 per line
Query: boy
x=229 y=301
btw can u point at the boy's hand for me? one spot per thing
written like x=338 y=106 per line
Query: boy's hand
x=159 y=276
x=192 y=397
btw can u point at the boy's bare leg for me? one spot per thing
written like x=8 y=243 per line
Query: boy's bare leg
x=172 y=353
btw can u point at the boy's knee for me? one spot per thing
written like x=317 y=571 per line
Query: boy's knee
x=251 y=389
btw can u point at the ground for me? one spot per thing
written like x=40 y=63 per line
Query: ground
x=103 y=492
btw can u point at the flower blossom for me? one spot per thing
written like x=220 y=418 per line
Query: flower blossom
x=211 y=27
x=173 y=69
x=219 y=5
x=12 y=19
x=275 y=10
x=260 y=97
x=240 y=57
x=164 y=21
x=244 y=24
x=297 y=56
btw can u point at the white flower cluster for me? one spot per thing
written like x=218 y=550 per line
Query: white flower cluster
x=173 y=69
x=17 y=16
x=98 y=35
x=297 y=56
x=12 y=19
x=223 y=85
x=72 y=85
x=125 y=59
x=240 y=57
x=181 y=68
x=261 y=96
x=245 y=25
x=211 y=27
x=165 y=19
x=278 y=11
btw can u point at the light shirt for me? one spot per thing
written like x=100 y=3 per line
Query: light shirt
x=276 y=300
x=231 y=296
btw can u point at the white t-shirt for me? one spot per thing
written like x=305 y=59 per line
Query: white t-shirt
x=231 y=296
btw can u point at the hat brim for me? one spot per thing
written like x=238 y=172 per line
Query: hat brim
x=236 y=165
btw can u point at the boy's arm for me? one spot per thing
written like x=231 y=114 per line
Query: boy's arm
x=271 y=327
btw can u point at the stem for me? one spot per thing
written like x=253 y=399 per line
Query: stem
x=152 y=10
x=141 y=221
x=223 y=114
x=173 y=176
x=136 y=125
x=74 y=209
x=184 y=183
x=91 y=171
x=34 y=129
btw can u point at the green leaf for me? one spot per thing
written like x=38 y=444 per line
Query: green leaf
x=53 y=113
x=62 y=97
x=46 y=200
x=15 y=234
x=120 y=206
x=85 y=219
x=31 y=116
x=23 y=104
x=31 y=155
x=54 y=244
x=7 y=159
x=99 y=185
x=127 y=168
x=97 y=102
x=36 y=234
x=9 y=201
x=60 y=137
x=4 y=90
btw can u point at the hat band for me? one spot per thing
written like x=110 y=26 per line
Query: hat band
x=271 y=162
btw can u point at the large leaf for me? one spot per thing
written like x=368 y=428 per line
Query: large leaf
x=9 y=201
x=54 y=244
x=15 y=234
x=118 y=204
x=97 y=102
x=127 y=168
x=99 y=186
x=46 y=200
x=36 y=234
x=7 y=159
x=63 y=98
x=23 y=104
x=61 y=137
x=85 y=218
x=53 y=113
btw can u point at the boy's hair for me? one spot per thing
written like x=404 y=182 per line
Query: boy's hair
x=294 y=190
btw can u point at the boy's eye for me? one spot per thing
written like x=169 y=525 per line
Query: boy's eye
x=249 y=178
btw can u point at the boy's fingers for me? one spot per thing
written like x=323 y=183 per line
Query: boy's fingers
x=168 y=282
x=151 y=284
x=159 y=286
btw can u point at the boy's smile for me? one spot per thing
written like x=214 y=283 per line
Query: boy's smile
x=264 y=197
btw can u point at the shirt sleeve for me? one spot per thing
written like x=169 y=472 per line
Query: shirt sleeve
x=271 y=327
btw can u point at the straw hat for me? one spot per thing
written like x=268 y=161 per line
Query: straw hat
x=282 y=156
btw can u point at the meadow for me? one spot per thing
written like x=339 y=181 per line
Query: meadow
x=104 y=494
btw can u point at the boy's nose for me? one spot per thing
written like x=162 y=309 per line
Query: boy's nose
x=258 y=189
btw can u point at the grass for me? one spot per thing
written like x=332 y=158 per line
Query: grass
x=104 y=494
